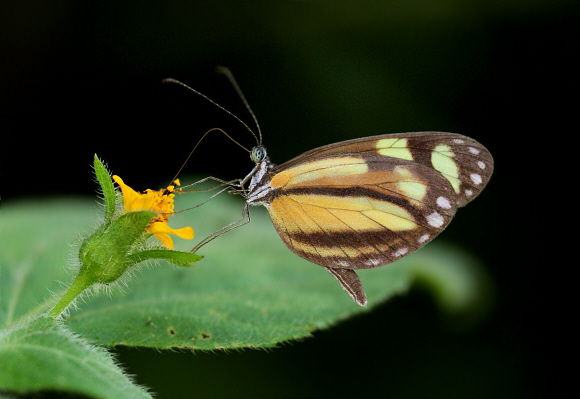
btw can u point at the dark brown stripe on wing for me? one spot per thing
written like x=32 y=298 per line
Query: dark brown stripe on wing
x=352 y=239
x=355 y=191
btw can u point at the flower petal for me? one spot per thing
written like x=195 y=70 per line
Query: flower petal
x=161 y=230
x=129 y=195
x=185 y=232
x=165 y=240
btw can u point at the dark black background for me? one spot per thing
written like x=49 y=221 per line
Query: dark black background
x=78 y=78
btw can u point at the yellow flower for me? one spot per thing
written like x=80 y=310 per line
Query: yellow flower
x=158 y=201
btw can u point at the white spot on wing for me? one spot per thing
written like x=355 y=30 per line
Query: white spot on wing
x=474 y=151
x=481 y=164
x=423 y=238
x=435 y=219
x=400 y=252
x=475 y=178
x=372 y=262
x=443 y=203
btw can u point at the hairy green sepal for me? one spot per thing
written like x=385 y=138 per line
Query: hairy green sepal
x=104 y=256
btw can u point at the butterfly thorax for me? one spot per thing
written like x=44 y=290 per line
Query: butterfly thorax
x=260 y=190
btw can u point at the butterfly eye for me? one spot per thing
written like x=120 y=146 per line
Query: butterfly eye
x=258 y=154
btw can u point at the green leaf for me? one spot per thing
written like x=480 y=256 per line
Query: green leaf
x=107 y=188
x=38 y=239
x=42 y=355
x=248 y=291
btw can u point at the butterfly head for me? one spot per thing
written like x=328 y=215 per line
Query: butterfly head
x=258 y=154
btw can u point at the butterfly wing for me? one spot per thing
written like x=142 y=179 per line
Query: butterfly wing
x=367 y=202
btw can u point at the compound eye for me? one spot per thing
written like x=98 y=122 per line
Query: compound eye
x=258 y=154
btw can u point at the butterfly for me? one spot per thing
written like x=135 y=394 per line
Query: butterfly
x=366 y=202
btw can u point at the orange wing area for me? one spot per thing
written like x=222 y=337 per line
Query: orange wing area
x=354 y=213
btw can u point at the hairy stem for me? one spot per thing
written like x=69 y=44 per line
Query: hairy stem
x=80 y=283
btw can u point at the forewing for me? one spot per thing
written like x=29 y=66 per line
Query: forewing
x=463 y=161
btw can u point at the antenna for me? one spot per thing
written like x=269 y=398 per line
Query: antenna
x=226 y=71
x=171 y=80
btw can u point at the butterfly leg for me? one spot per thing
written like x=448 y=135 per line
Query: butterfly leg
x=351 y=284
x=233 y=183
x=228 y=186
x=244 y=220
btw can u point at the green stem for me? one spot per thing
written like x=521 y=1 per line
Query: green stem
x=79 y=285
